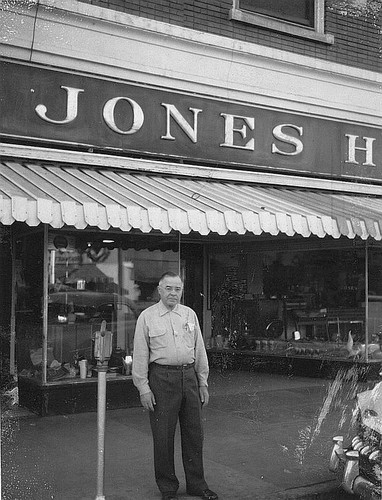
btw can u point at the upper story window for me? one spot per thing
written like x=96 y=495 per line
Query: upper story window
x=302 y=18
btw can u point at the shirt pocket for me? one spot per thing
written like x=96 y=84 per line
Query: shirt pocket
x=158 y=338
x=189 y=338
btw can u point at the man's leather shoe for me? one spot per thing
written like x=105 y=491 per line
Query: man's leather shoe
x=205 y=494
x=169 y=496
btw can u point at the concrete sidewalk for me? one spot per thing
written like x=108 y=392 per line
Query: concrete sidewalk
x=266 y=437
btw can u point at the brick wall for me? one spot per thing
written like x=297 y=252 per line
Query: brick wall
x=356 y=29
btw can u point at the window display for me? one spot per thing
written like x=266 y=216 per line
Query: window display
x=323 y=303
x=299 y=303
x=91 y=280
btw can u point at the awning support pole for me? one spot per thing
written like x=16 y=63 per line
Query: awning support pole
x=12 y=353
x=366 y=302
x=45 y=307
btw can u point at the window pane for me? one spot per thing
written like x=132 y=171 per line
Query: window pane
x=141 y=271
x=90 y=282
x=295 y=11
x=83 y=291
x=375 y=296
x=319 y=294
x=29 y=307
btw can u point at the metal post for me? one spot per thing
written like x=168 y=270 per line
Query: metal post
x=101 y=408
x=12 y=352
x=366 y=302
x=103 y=345
x=1 y=418
x=45 y=308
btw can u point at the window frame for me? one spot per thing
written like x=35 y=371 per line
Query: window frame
x=317 y=33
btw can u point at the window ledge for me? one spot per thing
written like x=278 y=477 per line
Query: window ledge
x=282 y=26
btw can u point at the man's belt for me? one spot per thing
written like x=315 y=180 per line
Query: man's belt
x=175 y=367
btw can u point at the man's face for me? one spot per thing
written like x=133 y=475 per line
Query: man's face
x=170 y=291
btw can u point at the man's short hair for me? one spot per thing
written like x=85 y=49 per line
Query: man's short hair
x=169 y=274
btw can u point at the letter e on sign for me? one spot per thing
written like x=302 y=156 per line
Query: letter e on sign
x=229 y=129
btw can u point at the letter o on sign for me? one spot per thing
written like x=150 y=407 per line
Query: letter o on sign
x=108 y=115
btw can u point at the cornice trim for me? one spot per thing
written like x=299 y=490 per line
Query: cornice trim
x=202 y=38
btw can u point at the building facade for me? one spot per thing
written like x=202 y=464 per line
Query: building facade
x=235 y=142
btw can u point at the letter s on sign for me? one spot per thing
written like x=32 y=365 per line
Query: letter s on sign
x=108 y=115
x=289 y=139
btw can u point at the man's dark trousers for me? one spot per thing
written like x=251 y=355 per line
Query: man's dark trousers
x=176 y=394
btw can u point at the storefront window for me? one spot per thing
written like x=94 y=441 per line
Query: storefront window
x=316 y=297
x=374 y=300
x=28 y=272
x=91 y=280
x=291 y=302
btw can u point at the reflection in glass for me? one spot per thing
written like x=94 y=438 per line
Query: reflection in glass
x=94 y=283
x=305 y=303
x=295 y=11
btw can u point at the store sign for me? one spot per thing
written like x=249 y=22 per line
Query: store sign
x=71 y=109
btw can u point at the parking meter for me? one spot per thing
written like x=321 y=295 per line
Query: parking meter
x=103 y=344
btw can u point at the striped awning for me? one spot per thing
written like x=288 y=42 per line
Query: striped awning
x=81 y=197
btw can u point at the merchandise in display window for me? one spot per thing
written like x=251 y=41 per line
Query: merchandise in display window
x=90 y=280
x=304 y=303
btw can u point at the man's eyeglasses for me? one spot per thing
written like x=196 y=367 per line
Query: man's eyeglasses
x=176 y=289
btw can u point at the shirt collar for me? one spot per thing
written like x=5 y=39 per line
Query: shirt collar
x=163 y=309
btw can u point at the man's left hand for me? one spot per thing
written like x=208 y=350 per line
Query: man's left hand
x=204 y=396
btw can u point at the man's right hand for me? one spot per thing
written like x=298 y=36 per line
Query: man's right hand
x=148 y=401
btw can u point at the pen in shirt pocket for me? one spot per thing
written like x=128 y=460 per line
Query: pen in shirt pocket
x=189 y=326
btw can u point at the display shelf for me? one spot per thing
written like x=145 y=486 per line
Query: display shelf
x=278 y=353
x=89 y=380
x=326 y=366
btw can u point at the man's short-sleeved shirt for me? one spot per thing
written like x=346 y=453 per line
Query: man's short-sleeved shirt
x=168 y=337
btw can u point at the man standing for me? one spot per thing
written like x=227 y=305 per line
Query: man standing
x=170 y=370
